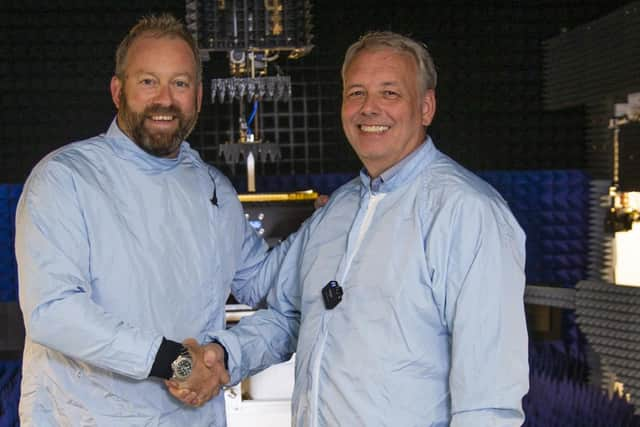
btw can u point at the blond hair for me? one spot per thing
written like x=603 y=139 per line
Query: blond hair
x=164 y=25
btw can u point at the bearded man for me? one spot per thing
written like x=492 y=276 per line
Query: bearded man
x=127 y=243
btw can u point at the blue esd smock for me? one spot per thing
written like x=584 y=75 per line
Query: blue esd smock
x=431 y=328
x=117 y=248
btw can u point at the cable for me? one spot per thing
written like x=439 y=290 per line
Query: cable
x=251 y=117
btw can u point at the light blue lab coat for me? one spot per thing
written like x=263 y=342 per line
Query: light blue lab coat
x=431 y=328
x=117 y=248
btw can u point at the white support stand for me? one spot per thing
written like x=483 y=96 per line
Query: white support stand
x=267 y=401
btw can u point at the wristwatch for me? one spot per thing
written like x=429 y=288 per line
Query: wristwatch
x=182 y=366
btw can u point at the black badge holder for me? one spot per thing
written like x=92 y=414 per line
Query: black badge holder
x=332 y=294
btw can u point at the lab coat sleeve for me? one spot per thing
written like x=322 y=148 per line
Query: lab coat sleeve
x=485 y=313
x=269 y=336
x=53 y=253
x=258 y=267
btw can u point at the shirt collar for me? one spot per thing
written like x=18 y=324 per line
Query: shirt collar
x=126 y=149
x=402 y=171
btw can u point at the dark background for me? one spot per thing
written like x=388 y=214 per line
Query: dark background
x=57 y=60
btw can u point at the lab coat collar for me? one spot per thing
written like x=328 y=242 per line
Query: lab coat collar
x=403 y=171
x=128 y=150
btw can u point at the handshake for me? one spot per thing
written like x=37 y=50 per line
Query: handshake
x=208 y=374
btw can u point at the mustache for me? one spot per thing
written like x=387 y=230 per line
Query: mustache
x=162 y=110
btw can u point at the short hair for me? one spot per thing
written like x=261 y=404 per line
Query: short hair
x=164 y=25
x=427 y=76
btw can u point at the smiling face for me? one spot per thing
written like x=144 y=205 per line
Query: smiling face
x=159 y=97
x=383 y=114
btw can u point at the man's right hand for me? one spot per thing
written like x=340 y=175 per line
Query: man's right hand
x=207 y=377
x=322 y=200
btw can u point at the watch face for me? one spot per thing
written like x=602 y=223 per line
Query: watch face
x=181 y=367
